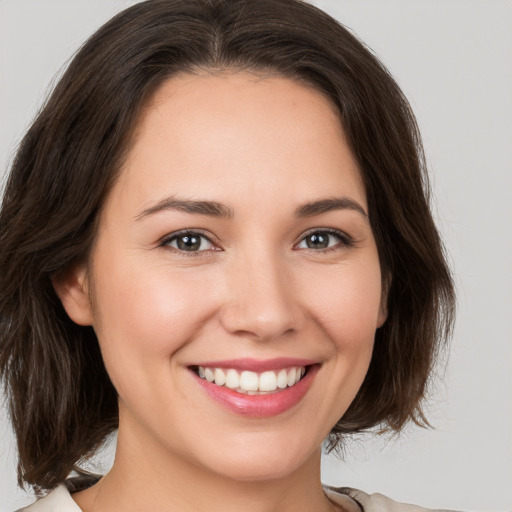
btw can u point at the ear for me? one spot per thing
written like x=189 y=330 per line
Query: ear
x=383 y=313
x=383 y=308
x=72 y=288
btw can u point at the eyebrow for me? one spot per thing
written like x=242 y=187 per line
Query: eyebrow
x=330 y=204
x=210 y=208
x=215 y=209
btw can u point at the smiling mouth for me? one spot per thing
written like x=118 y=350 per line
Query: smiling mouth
x=252 y=383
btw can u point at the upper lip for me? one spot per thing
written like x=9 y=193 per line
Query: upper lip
x=258 y=365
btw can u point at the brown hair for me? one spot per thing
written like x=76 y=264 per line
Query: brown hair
x=62 y=403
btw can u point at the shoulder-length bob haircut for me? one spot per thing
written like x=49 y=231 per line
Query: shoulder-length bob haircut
x=62 y=403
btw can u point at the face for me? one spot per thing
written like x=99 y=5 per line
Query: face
x=235 y=247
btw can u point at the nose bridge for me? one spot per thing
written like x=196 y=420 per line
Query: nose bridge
x=261 y=301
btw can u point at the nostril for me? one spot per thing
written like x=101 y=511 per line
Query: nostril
x=261 y=312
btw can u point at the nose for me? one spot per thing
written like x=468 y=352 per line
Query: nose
x=261 y=302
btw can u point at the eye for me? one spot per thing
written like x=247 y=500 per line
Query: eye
x=188 y=241
x=323 y=239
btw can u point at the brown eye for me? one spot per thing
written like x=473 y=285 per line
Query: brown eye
x=321 y=240
x=317 y=241
x=189 y=242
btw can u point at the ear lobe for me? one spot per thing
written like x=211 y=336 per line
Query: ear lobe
x=72 y=289
x=383 y=312
x=383 y=308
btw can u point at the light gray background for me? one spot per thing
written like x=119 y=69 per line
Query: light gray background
x=453 y=59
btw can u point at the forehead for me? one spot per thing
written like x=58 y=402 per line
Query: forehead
x=242 y=131
x=225 y=87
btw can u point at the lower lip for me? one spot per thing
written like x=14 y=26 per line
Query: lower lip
x=260 y=406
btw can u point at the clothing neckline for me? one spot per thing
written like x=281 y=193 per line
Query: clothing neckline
x=60 y=498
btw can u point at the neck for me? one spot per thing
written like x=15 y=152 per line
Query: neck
x=144 y=477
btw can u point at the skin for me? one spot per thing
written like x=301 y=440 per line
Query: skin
x=263 y=147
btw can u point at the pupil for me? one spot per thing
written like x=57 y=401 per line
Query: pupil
x=318 y=241
x=189 y=243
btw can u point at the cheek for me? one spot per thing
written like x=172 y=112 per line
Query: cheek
x=346 y=303
x=143 y=316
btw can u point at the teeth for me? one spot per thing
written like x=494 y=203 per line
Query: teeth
x=220 y=377
x=232 y=379
x=291 y=376
x=282 y=379
x=209 y=375
x=249 y=381
x=252 y=383
x=268 y=381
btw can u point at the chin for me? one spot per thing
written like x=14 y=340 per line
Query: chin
x=259 y=470
x=257 y=460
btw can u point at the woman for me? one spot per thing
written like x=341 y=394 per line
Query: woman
x=216 y=238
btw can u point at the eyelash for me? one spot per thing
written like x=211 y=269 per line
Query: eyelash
x=344 y=241
x=175 y=236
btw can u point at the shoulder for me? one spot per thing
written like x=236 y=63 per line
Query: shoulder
x=58 y=500
x=373 y=502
